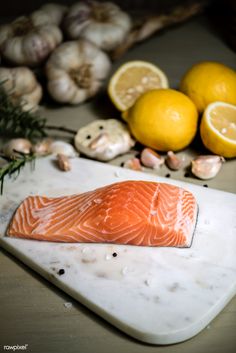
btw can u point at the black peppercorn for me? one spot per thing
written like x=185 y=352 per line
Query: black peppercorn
x=61 y=271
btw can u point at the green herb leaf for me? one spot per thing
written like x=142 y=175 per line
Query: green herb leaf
x=15 y=165
x=15 y=122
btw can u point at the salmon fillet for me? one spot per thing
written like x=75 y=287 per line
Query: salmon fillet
x=129 y=212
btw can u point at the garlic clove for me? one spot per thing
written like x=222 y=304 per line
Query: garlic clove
x=100 y=141
x=207 y=167
x=62 y=147
x=151 y=159
x=133 y=163
x=42 y=147
x=174 y=162
x=13 y=146
x=63 y=162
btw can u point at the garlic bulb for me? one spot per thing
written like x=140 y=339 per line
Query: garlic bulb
x=22 y=86
x=104 y=139
x=104 y=24
x=23 y=42
x=206 y=167
x=49 y=13
x=76 y=71
x=13 y=146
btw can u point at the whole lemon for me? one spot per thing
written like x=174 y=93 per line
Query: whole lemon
x=207 y=82
x=163 y=119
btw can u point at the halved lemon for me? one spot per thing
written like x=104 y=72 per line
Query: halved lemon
x=131 y=80
x=218 y=129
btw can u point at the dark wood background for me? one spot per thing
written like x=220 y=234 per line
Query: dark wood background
x=11 y=8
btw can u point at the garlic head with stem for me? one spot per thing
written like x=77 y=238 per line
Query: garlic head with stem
x=76 y=71
x=23 y=42
x=104 y=24
x=49 y=13
x=22 y=87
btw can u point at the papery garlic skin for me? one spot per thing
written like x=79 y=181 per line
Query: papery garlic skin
x=104 y=24
x=21 y=85
x=22 y=42
x=49 y=13
x=104 y=139
x=207 y=167
x=76 y=71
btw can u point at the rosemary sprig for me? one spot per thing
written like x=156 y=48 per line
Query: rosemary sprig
x=15 y=122
x=14 y=166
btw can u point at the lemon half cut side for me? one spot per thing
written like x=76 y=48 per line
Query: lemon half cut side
x=133 y=79
x=218 y=129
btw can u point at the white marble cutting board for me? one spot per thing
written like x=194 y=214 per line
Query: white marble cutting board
x=157 y=295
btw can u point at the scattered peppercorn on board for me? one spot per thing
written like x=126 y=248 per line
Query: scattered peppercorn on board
x=168 y=294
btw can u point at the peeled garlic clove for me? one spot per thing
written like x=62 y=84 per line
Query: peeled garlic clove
x=206 y=167
x=174 y=162
x=61 y=147
x=133 y=163
x=43 y=147
x=151 y=159
x=17 y=145
x=63 y=162
x=100 y=141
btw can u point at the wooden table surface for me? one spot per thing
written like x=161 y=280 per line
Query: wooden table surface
x=32 y=311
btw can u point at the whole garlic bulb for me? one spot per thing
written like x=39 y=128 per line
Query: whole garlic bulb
x=104 y=24
x=49 y=13
x=22 y=86
x=103 y=139
x=76 y=71
x=23 y=42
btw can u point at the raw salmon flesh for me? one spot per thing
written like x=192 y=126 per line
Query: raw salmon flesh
x=129 y=212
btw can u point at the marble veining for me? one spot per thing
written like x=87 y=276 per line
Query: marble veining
x=157 y=295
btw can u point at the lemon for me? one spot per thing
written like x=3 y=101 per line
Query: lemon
x=163 y=119
x=207 y=82
x=218 y=129
x=131 y=80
